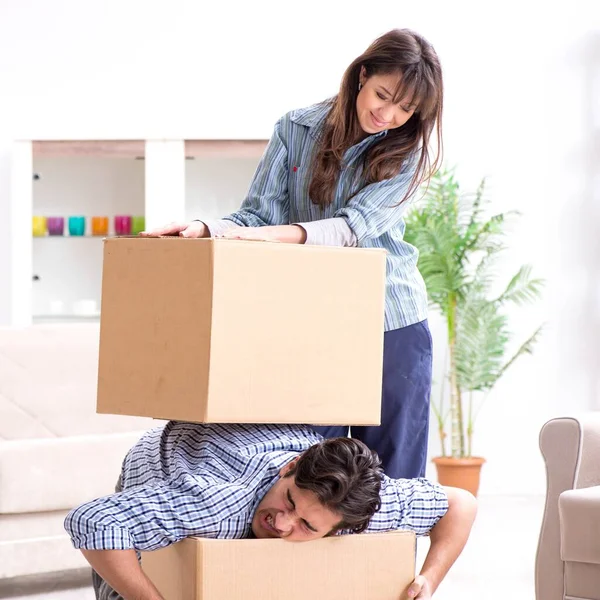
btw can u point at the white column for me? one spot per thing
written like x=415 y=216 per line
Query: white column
x=16 y=171
x=165 y=182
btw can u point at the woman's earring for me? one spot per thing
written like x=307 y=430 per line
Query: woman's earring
x=359 y=86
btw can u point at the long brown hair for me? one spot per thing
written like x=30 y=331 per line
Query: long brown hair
x=408 y=54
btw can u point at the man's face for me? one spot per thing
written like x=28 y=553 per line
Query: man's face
x=289 y=512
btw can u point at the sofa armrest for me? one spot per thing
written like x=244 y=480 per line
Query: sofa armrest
x=571 y=450
x=580 y=525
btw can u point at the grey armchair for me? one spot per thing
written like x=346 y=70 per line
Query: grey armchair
x=568 y=555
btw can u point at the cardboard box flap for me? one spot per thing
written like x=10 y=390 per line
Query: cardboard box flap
x=352 y=567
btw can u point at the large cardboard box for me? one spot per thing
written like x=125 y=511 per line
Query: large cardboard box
x=353 y=567
x=241 y=331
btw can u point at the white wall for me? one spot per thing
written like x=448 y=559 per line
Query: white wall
x=522 y=101
x=70 y=268
x=215 y=187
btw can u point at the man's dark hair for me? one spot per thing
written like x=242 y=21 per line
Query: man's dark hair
x=345 y=475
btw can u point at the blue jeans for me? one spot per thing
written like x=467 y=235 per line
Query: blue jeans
x=401 y=439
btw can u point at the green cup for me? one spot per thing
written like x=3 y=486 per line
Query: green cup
x=138 y=224
x=76 y=225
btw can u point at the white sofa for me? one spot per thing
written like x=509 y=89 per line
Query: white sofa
x=55 y=451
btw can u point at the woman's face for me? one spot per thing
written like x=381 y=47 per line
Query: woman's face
x=375 y=106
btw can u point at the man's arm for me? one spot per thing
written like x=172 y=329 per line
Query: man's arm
x=122 y=571
x=109 y=530
x=427 y=508
x=448 y=538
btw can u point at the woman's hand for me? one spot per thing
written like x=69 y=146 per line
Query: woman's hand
x=195 y=229
x=420 y=589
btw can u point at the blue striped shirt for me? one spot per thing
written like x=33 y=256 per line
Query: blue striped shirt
x=188 y=479
x=278 y=195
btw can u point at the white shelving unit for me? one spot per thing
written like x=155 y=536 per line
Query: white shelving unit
x=106 y=178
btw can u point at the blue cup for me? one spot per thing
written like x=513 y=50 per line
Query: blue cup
x=76 y=225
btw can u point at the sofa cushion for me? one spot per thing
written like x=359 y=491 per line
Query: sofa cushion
x=580 y=525
x=54 y=474
x=48 y=383
x=55 y=451
x=582 y=581
x=36 y=543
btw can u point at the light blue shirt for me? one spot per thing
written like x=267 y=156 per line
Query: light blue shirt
x=278 y=195
x=206 y=480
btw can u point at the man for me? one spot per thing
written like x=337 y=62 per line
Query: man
x=239 y=481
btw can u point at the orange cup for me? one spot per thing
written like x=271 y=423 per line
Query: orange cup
x=99 y=225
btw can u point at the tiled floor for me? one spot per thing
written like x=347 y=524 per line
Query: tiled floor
x=496 y=565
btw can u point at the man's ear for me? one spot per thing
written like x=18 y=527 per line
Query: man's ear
x=288 y=467
x=334 y=531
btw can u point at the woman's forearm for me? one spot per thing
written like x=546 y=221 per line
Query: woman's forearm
x=325 y=232
x=122 y=571
x=289 y=234
x=329 y=232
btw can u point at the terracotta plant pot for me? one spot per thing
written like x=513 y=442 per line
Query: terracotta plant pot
x=459 y=472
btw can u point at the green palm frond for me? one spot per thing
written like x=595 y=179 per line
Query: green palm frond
x=480 y=342
x=487 y=236
x=526 y=348
x=485 y=272
x=459 y=246
x=472 y=211
x=521 y=289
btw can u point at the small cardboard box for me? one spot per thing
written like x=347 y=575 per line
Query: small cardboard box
x=377 y=566
x=240 y=331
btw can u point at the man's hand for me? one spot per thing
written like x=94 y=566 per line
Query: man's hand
x=420 y=589
x=195 y=229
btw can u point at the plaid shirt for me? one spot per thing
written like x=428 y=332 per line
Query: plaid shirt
x=206 y=480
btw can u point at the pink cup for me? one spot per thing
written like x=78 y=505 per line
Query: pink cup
x=123 y=225
x=56 y=225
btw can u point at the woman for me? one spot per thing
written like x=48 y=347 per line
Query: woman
x=341 y=173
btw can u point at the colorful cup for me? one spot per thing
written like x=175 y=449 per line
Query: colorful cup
x=138 y=224
x=38 y=226
x=122 y=225
x=99 y=225
x=76 y=225
x=56 y=225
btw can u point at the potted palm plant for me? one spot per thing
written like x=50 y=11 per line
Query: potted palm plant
x=459 y=246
